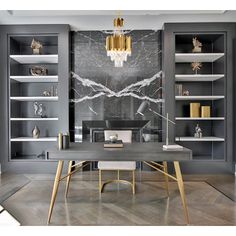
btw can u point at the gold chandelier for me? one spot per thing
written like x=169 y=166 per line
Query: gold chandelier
x=118 y=45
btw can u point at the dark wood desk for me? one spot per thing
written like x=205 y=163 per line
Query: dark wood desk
x=149 y=153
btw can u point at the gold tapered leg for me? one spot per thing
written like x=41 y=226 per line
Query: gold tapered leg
x=118 y=174
x=55 y=189
x=166 y=177
x=133 y=185
x=181 y=189
x=100 y=181
x=68 y=178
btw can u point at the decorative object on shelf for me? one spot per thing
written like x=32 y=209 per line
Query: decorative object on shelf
x=113 y=138
x=39 y=109
x=195 y=109
x=197 y=45
x=118 y=45
x=46 y=93
x=198 y=132
x=179 y=89
x=52 y=92
x=36 y=46
x=65 y=141
x=38 y=70
x=185 y=92
x=36 y=132
x=205 y=111
x=196 y=66
x=60 y=141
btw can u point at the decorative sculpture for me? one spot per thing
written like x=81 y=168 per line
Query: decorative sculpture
x=46 y=93
x=38 y=70
x=36 y=132
x=36 y=46
x=196 y=66
x=39 y=110
x=197 y=45
x=185 y=92
x=198 y=132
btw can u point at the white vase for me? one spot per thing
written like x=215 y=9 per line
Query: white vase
x=36 y=132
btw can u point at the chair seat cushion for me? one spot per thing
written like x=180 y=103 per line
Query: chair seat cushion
x=117 y=165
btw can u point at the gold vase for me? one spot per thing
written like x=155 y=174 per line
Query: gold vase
x=195 y=109
x=205 y=111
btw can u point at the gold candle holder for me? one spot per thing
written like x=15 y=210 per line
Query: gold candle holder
x=205 y=111
x=195 y=109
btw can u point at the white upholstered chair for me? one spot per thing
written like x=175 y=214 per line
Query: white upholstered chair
x=126 y=137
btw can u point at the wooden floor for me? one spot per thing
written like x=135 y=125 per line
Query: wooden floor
x=27 y=198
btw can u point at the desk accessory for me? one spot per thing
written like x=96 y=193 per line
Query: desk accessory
x=116 y=144
x=143 y=107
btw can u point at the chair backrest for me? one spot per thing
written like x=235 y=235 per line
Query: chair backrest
x=124 y=135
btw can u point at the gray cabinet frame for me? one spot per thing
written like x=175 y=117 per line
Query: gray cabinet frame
x=168 y=64
x=62 y=31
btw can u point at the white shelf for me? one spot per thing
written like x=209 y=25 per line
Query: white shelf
x=199 y=118
x=198 y=77
x=34 y=118
x=35 y=59
x=197 y=57
x=43 y=98
x=203 y=139
x=198 y=97
x=35 y=79
x=31 y=139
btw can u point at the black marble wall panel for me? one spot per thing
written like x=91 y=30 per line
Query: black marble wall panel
x=101 y=91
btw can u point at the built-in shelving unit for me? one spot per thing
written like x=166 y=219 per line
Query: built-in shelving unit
x=199 y=57
x=206 y=87
x=199 y=118
x=198 y=77
x=38 y=98
x=199 y=97
x=203 y=139
x=34 y=119
x=30 y=139
x=35 y=79
x=26 y=89
x=35 y=59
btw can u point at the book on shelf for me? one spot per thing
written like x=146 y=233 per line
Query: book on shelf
x=116 y=144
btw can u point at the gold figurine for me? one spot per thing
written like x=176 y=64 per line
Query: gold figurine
x=36 y=46
x=196 y=66
x=197 y=45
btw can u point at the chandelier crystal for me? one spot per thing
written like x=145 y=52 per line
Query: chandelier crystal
x=118 y=45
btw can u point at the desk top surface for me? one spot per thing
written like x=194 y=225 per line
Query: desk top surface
x=150 y=151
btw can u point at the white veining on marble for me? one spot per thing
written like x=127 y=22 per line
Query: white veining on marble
x=133 y=90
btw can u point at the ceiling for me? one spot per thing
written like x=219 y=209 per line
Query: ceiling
x=100 y=20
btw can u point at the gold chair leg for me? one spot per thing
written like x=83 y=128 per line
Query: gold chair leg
x=68 y=178
x=181 y=189
x=133 y=185
x=166 y=177
x=55 y=189
x=118 y=174
x=100 y=181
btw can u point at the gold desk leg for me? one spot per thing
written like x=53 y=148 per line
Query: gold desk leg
x=166 y=177
x=68 y=178
x=100 y=181
x=55 y=188
x=181 y=189
x=133 y=185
